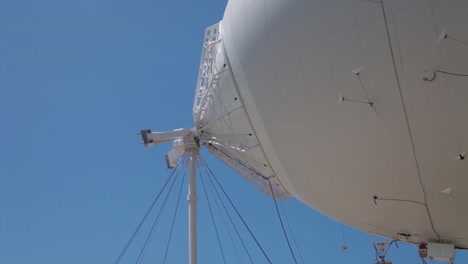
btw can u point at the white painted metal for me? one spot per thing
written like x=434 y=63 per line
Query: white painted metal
x=383 y=167
x=222 y=121
x=185 y=140
x=441 y=252
x=208 y=75
x=192 y=201
x=153 y=138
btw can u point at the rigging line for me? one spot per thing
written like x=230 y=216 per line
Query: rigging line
x=377 y=114
x=292 y=234
x=457 y=40
x=373 y=1
x=212 y=218
x=229 y=126
x=242 y=103
x=391 y=243
x=232 y=135
x=137 y=229
x=215 y=115
x=212 y=187
x=365 y=92
x=224 y=222
x=223 y=116
x=153 y=227
x=375 y=248
x=443 y=72
x=356 y=101
x=254 y=160
x=242 y=148
x=211 y=147
x=217 y=93
x=282 y=225
x=235 y=209
x=223 y=124
x=399 y=200
x=244 y=162
x=223 y=107
x=220 y=117
x=173 y=219
x=452 y=73
x=343 y=236
x=410 y=133
x=156 y=221
x=342 y=233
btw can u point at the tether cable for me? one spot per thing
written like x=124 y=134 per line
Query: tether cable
x=212 y=219
x=174 y=218
x=148 y=211
x=214 y=191
x=281 y=221
x=235 y=209
x=155 y=223
x=292 y=234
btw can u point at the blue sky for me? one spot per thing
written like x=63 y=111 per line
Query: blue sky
x=78 y=80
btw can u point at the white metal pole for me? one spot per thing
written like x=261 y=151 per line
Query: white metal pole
x=192 y=201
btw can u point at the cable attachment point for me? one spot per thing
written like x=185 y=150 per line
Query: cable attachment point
x=444 y=35
x=342 y=99
x=357 y=73
x=429 y=76
x=461 y=156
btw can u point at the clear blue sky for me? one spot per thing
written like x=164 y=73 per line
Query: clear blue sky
x=78 y=80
